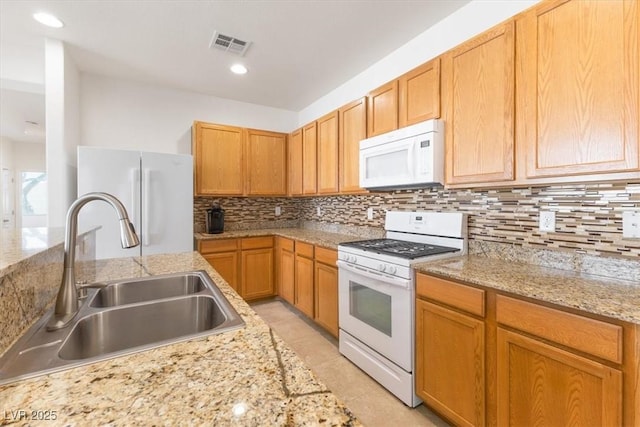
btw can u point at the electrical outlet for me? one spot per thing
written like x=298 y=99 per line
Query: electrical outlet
x=370 y=213
x=548 y=221
x=278 y=211
x=318 y=211
x=631 y=224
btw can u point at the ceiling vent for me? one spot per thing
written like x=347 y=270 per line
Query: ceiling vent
x=229 y=44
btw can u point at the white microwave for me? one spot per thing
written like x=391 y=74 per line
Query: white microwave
x=405 y=158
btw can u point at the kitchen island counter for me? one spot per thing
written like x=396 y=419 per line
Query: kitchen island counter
x=242 y=377
x=591 y=293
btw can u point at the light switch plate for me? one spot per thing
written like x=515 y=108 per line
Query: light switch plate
x=547 y=221
x=318 y=211
x=370 y=213
x=278 y=211
x=631 y=224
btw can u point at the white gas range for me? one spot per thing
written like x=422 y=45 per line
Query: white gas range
x=376 y=295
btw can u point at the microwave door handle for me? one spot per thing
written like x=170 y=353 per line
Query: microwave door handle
x=411 y=159
x=394 y=281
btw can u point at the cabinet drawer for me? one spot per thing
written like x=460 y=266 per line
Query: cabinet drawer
x=213 y=246
x=286 y=244
x=257 y=242
x=584 y=334
x=451 y=293
x=326 y=256
x=304 y=249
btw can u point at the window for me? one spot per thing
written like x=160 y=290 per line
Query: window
x=33 y=195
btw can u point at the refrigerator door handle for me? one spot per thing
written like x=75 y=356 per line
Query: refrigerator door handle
x=133 y=181
x=146 y=187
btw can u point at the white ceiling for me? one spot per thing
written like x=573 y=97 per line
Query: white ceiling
x=301 y=50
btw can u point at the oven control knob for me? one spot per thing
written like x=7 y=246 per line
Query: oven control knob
x=353 y=259
x=392 y=270
x=382 y=267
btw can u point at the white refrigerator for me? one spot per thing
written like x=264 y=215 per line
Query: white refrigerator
x=155 y=188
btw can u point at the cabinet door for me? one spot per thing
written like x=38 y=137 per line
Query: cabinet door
x=352 y=124
x=382 y=109
x=450 y=363
x=326 y=297
x=304 y=285
x=478 y=106
x=226 y=264
x=257 y=273
x=266 y=163
x=309 y=157
x=577 y=79
x=327 y=163
x=286 y=270
x=295 y=163
x=539 y=384
x=419 y=94
x=218 y=152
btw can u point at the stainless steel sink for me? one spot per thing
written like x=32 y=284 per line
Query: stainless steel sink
x=136 y=325
x=146 y=289
x=123 y=317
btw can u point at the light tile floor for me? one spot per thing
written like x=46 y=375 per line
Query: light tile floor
x=368 y=400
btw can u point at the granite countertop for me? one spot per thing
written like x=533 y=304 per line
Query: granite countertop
x=20 y=244
x=315 y=237
x=606 y=296
x=242 y=377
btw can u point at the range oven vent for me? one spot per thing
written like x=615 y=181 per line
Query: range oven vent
x=229 y=44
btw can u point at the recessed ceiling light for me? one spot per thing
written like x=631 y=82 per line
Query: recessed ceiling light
x=238 y=69
x=48 y=20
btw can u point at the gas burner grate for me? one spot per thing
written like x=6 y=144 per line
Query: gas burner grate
x=400 y=248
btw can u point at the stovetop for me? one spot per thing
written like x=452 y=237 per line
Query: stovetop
x=400 y=248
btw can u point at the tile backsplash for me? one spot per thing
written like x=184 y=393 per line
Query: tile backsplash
x=588 y=216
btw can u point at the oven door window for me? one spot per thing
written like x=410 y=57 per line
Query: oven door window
x=371 y=307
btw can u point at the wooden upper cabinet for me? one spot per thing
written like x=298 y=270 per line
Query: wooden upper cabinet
x=295 y=162
x=218 y=152
x=327 y=163
x=382 y=109
x=577 y=78
x=478 y=106
x=352 y=124
x=266 y=163
x=419 y=94
x=309 y=156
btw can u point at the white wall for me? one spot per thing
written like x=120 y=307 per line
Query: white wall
x=29 y=157
x=62 y=118
x=129 y=115
x=468 y=21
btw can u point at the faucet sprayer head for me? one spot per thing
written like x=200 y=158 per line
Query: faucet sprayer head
x=128 y=236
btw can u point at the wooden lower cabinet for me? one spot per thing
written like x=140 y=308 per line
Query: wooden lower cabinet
x=540 y=384
x=247 y=264
x=450 y=351
x=304 y=283
x=486 y=358
x=226 y=264
x=257 y=273
x=285 y=269
x=224 y=256
x=326 y=290
x=450 y=363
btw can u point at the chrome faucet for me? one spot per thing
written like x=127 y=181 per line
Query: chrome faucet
x=67 y=299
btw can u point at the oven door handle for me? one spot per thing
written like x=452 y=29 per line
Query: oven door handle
x=394 y=281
